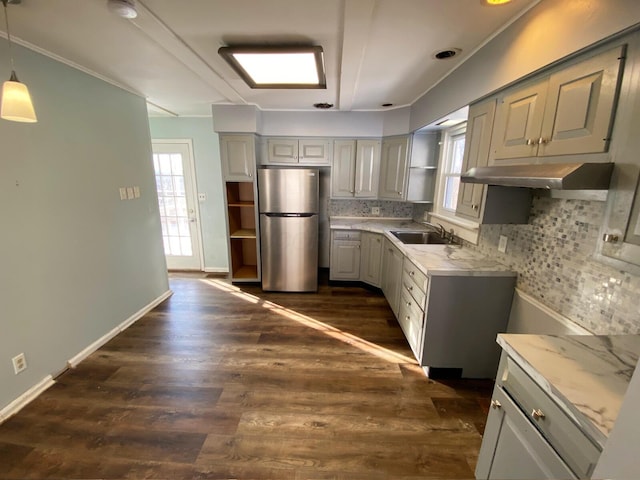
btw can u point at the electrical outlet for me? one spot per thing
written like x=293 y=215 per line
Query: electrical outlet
x=19 y=363
x=375 y=210
x=502 y=244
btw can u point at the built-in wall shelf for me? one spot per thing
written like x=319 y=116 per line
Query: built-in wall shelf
x=243 y=233
x=243 y=236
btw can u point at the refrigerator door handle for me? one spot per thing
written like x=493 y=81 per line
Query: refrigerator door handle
x=299 y=215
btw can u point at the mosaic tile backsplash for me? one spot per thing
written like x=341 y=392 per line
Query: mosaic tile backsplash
x=553 y=257
x=362 y=208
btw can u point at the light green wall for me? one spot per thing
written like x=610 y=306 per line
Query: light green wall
x=75 y=260
x=209 y=181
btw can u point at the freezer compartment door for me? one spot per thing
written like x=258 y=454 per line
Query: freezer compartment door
x=287 y=190
x=289 y=253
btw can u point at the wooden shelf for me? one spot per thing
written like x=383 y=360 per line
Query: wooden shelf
x=246 y=272
x=244 y=233
x=243 y=241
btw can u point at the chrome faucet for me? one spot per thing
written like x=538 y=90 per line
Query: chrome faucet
x=438 y=227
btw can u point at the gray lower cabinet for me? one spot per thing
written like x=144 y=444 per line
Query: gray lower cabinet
x=371 y=258
x=512 y=449
x=391 y=281
x=345 y=255
x=528 y=435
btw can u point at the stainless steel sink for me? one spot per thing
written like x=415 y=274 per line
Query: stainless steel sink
x=415 y=238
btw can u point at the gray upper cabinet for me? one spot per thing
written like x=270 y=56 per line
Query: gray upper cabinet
x=476 y=154
x=355 y=169
x=517 y=124
x=237 y=154
x=393 y=168
x=619 y=243
x=287 y=151
x=568 y=113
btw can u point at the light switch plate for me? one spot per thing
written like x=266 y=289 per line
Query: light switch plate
x=502 y=244
x=375 y=210
x=136 y=192
x=202 y=197
x=123 y=193
x=129 y=193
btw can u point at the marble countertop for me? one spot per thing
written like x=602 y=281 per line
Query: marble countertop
x=433 y=260
x=586 y=375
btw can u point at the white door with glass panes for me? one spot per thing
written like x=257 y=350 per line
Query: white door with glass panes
x=175 y=183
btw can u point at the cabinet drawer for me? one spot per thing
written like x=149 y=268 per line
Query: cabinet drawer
x=414 y=282
x=346 y=235
x=411 y=318
x=566 y=437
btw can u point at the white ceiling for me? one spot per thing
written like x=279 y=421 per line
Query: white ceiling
x=376 y=51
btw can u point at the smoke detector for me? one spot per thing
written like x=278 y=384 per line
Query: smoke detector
x=123 y=8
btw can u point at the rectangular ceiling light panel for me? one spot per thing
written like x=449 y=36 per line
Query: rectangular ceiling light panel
x=278 y=67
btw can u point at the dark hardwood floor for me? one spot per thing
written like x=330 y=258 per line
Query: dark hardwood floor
x=227 y=382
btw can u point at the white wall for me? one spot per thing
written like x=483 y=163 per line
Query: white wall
x=206 y=150
x=547 y=33
x=76 y=261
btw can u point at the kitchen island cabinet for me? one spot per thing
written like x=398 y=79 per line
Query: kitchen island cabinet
x=554 y=404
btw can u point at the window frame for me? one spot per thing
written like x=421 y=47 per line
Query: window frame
x=446 y=160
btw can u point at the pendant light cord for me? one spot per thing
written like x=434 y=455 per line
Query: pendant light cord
x=6 y=21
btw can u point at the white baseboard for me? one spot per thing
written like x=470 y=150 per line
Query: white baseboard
x=216 y=270
x=26 y=398
x=75 y=360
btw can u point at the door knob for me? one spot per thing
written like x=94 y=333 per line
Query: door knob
x=495 y=404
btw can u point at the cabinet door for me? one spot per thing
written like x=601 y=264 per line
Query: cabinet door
x=517 y=125
x=343 y=169
x=367 y=168
x=282 y=150
x=476 y=154
x=391 y=282
x=345 y=258
x=580 y=104
x=237 y=153
x=393 y=169
x=371 y=258
x=513 y=449
x=315 y=151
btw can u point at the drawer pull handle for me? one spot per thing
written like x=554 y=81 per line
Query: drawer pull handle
x=495 y=404
x=410 y=289
x=408 y=304
x=537 y=414
x=412 y=273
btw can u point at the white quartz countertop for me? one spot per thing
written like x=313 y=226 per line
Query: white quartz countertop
x=587 y=375
x=433 y=260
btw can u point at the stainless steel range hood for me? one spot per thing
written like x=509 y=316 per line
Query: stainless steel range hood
x=561 y=176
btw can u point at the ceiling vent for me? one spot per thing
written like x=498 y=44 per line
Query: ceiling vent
x=123 y=8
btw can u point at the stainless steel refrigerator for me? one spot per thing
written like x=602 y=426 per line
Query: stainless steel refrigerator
x=288 y=201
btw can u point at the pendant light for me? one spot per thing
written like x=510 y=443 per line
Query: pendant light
x=16 y=104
